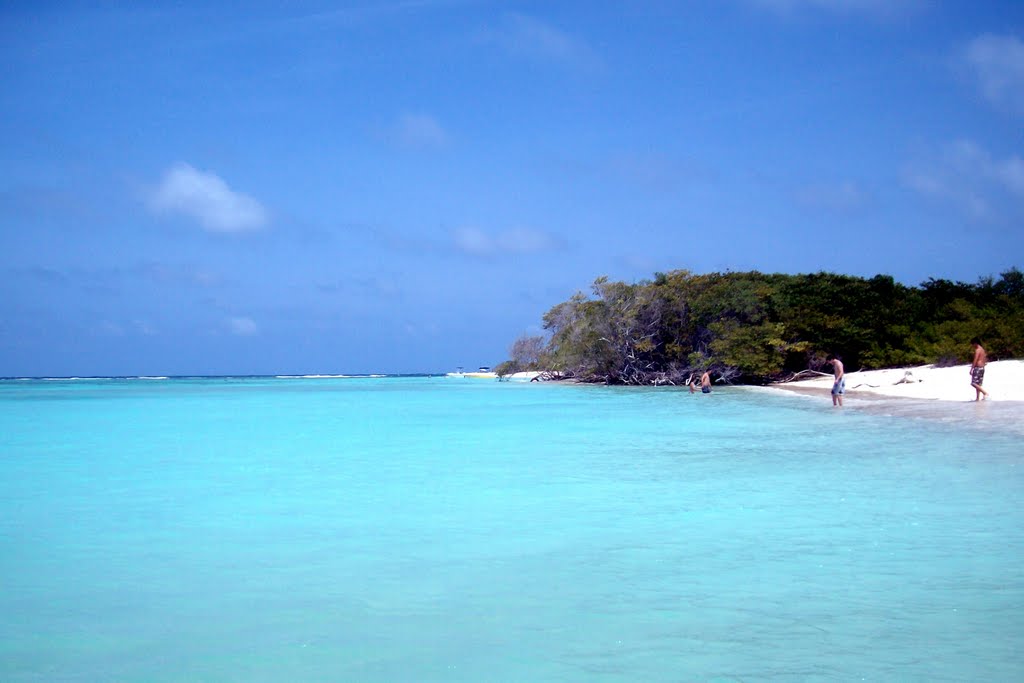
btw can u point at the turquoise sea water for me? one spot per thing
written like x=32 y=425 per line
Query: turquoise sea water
x=437 y=529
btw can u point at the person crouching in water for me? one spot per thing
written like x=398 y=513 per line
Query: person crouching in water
x=839 y=387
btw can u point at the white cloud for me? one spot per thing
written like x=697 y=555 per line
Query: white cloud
x=516 y=241
x=241 y=326
x=419 y=130
x=529 y=38
x=208 y=199
x=970 y=159
x=997 y=63
x=923 y=182
x=1011 y=174
x=964 y=174
x=473 y=241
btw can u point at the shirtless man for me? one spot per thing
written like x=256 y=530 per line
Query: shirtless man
x=839 y=387
x=978 y=369
x=705 y=382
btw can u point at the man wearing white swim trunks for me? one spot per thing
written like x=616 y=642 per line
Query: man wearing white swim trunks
x=839 y=387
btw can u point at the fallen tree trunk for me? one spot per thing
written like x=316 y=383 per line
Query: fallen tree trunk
x=805 y=374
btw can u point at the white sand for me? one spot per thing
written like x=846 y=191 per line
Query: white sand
x=524 y=376
x=1004 y=380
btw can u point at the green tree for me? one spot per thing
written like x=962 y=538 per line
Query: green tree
x=756 y=326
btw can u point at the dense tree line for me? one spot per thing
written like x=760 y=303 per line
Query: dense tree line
x=753 y=327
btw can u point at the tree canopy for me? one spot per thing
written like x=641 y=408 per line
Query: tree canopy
x=754 y=327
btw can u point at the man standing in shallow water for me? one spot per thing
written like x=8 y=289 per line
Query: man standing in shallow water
x=839 y=387
x=978 y=369
x=705 y=382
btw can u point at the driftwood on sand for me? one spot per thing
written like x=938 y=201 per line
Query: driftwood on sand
x=805 y=374
x=908 y=378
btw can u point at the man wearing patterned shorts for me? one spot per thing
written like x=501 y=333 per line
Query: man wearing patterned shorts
x=839 y=387
x=978 y=362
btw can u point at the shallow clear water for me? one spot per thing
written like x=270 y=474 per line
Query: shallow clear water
x=437 y=529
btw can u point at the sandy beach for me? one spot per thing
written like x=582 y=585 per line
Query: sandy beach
x=1004 y=380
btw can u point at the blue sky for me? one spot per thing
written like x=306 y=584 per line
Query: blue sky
x=408 y=185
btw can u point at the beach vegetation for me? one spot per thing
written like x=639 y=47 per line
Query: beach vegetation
x=754 y=327
x=528 y=354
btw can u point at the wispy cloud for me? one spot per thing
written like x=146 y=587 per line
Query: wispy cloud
x=969 y=177
x=419 y=131
x=528 y=38
x=206 y=198
x=361 y=287
x=120 y=278
x=144 y=327
x=242 y=326
x=476 y=242
x=109 y=328
x=997 y=64
x=172 y=274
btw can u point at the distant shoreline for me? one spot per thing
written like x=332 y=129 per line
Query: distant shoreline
x=152 y=378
